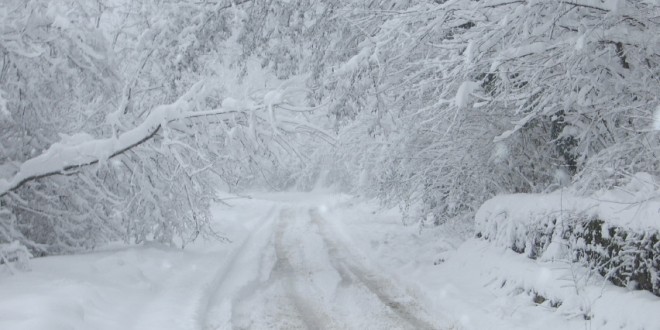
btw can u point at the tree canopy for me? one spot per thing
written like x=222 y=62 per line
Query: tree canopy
x=120 y=119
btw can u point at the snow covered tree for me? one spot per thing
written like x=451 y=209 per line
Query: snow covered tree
x=440 y=103
x=478 y=98
x=134 y=153
x=57 y=79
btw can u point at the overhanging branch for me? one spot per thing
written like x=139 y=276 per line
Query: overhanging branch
x=62 y=158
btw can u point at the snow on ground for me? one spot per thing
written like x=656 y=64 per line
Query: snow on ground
x=316 y=261
x=479 y=285
x=119 y=287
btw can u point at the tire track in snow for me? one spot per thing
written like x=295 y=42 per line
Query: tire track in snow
x=403 y=305
x=182 y=297
x=310 y=313
x=272 y=297
x=278 y=291
x=227 y=287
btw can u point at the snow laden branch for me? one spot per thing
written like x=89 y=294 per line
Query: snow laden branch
x=72 y=153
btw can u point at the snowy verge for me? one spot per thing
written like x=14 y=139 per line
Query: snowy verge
x=535 y=294
x=151 y=286
x=615 y=232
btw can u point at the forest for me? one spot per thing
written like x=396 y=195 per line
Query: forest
x=526 y=125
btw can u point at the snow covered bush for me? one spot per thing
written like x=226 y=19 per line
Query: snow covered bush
x=625 y=257
x=616 y=232
x=14 y=256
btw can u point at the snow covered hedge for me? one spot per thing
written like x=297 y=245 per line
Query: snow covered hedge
x=615 y=232
x=14 y=256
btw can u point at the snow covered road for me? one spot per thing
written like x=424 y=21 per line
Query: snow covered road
x=289 y=266
x=303 y=275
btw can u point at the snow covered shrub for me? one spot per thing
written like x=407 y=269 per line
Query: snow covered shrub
x=615 y=232
x=526 y=223
x=625 y=257
x=15 y=256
